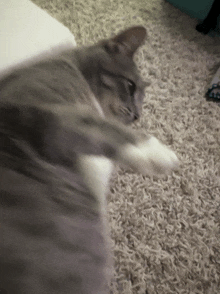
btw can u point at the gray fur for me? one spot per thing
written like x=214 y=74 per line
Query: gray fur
x=60 y=124
x=51 y=114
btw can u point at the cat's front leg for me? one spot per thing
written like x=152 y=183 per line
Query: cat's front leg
x=59 y=133
x=149 y=157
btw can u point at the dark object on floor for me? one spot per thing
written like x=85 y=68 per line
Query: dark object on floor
x=211 y=21
x=206 y=27
x=198 y=9
x=213 y=92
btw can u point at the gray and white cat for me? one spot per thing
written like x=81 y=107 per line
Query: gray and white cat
x=61 y=127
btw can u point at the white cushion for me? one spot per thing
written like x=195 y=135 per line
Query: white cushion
x=27 y=32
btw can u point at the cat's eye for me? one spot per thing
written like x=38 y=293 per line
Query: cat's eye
x=131 y=87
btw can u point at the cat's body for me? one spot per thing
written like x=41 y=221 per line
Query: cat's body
x=57 y=140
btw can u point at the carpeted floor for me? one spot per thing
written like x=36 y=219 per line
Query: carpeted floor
x=165 y=233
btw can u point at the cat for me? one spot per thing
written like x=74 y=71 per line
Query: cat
x=62 y=125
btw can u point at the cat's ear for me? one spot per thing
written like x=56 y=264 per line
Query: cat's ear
x=127 y=42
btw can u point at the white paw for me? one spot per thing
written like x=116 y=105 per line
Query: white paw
x=150 y=157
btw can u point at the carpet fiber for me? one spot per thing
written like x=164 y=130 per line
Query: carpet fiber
x=165 y=233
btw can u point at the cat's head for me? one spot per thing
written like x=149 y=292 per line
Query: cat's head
x=112 y=74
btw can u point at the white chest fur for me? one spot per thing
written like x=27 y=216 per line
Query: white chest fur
x=96 y=171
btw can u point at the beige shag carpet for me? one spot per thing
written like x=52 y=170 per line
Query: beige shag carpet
x=165 y=233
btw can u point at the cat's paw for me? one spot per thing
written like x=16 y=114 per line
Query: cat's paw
x=150 y=157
